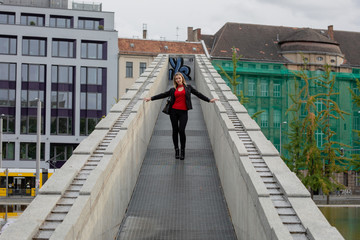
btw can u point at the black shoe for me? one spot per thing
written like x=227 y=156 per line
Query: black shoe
x=182 y=154
x=176 y=153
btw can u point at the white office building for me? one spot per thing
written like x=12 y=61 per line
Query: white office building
x=64 y=54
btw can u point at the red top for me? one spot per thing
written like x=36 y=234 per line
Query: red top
x=180 y=102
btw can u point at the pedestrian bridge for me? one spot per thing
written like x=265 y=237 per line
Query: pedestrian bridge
x=122 y=182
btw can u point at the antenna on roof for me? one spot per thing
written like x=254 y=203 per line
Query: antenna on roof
x=177 y=33
x=277 y=37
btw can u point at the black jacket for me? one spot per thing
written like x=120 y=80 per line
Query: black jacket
x=188 y=90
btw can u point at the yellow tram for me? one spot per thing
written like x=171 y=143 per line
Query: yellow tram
x=22 y=182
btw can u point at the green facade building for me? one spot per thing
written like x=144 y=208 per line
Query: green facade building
x=270 y=58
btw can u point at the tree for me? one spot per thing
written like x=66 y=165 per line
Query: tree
x=233 y=80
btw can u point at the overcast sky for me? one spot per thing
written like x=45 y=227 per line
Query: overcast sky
x=169 y=20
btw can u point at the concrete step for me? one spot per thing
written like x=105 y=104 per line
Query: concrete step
x=71 y=194
x=288 y=219
x=75 y=187
x=282 y=204
x=43 y=235
x=295 y=228
x=61 y=208
x=299 y=236
x=285 y=211
x=50 y=225
x=66 y=201
x=56 y=217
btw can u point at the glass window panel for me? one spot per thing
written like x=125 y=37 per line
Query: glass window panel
x=70 y=49
x=31 y=151
x=12 y=45
x=70 y=69
x=12 y=97
x=53 y=125
x=42 y=48
x=54 y=74
x=25 y=47
x=3 y=18
x=63 y=127
x=91 y=101
x=33 y=73
x=3 y=97
x=83 y=101
x=41 y=73
x=52 y=22
x=96 y=25
x=55 y=52
x=83 y=75
x=23 y=151
x=100 y=51
x=63 y=74
x=4 y=71
x=92 y=50
x=91 y=125
x=69 y=100
x=82 y=126
x=89 y=24
x=10 y=151
x=32 y=19
x=99 y=78
x=23 y=20
x=4 y=45
x=92 y=76
x=12 y=72
x=83 y=50
x=81 y=23
x=99 y=101
x=61 y=22
x=32 y=124
x=53 y=99
x=62 y=99
x=11 y=19
x=63 y=49
x=34 y=47
x=11 y=125
x=24 y=98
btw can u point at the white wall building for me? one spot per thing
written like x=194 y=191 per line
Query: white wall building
x=66 y=57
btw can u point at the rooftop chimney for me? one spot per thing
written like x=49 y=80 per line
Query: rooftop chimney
x=190 y=34
x=331 y=32
x=144 y=30
x=197 y=37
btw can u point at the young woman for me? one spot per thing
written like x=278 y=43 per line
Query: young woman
x=180 y=104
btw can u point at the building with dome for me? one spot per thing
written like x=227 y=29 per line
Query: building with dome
x=270 y=55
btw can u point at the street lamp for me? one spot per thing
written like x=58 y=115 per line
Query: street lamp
x=280 y=134
x=38 y=146
x=1 y=136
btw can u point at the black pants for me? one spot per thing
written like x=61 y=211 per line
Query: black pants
x=179 y=120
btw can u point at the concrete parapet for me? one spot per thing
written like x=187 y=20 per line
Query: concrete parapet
x=251 y=208
x=104 y=196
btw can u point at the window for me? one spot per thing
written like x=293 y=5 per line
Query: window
x=93 y=50
x=33 y=73
x=8 y=45
x=32 y=19
x=61 y=21
x=8 y=124
x=29 y=125
x=29 y=98
x=356 y=119
x=7 y=97
x=61 y=100
x=87 y=125
x=63 y=48
x=357 y=179
x=8 y=149
x=7 y=71
x=277 y=89
x=90 y=23
x=264 y=119
x=319 y=58
x=61 y=125
x=251 y=111
x=7 y=18
x=264 y=88
x=277 y=118
x=129 y=69
x=28 y=151
x=62 y=74
x=239 y=87
x=90 y=101
x=59 y=153
x=319 y=138
x=92 y=75
x=34 y=47
x=251 y=87
x=142 y=67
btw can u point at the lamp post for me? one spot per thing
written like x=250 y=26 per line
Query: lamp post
x=280 y=134
x=1 y=136
x=38 y=146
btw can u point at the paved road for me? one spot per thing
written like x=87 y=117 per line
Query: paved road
x=176 y=199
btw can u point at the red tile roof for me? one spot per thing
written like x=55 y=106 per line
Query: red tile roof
x=153 y=47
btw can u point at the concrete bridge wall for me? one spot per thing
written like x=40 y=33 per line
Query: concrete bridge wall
x=98 y=210
x=253 y=214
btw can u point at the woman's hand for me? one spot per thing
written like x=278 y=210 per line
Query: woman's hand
x=147 y=99
x=213 y=100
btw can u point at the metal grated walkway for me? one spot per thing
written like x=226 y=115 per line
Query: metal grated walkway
x=176 y=199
